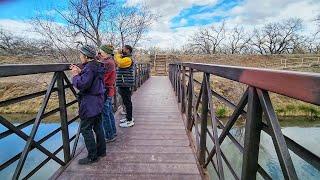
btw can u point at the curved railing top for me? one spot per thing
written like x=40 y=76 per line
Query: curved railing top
x=298 y=85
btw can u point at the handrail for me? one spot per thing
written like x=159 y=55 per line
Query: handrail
x=277 y=81
x=8 y=70
x=259 y=83
x=59 y=83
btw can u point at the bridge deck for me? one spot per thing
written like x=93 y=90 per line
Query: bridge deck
x=157 y=147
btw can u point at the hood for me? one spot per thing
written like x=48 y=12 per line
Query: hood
x=97 y=67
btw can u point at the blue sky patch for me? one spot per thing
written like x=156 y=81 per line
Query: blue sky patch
x=203 y=15
x=26 y=9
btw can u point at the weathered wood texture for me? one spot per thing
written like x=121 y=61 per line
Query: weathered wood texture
x=157 y=147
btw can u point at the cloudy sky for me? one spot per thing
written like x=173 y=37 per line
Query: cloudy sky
x=180 y=18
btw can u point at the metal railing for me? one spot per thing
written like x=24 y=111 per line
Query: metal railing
x=62 y=82
x=259 y=82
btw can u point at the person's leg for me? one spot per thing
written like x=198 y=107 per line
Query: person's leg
x=98 y=129
x=127 y=102
x=123 y=93
x=126 y=95
x=112 y=119
x=86 y=131
x=106 y=121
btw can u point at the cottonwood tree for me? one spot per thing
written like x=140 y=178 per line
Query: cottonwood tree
x=58 y=36
x=8 y=42
x=128 y=24
x=277 y=38
x=208 y=40
x=237 y=40
x=93 y=22
x=86 y=17
x=12 y=44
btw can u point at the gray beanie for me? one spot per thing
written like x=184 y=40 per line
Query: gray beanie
x=88 y=50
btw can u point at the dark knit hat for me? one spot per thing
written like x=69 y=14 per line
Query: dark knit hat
x=88 y=50
x=107 y=49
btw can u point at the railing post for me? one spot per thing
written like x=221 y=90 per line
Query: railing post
x=63 y=117
x=190 y=99
x=135 y=78
x=252 y=136
x=175 y=78
x=183 y=90
x=204 y=119
x=179 y=83
x=140 y=74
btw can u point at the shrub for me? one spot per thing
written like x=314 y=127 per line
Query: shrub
x=221 y=112
x=291 y=108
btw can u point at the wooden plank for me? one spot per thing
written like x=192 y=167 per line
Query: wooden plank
x=132 y=176
x=157 y=147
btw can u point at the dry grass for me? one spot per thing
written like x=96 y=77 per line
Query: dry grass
x=22 y=85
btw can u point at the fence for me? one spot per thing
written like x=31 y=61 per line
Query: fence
x=259 y=82
x=59 y=83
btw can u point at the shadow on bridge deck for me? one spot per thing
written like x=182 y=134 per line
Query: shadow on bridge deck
x=157 y=147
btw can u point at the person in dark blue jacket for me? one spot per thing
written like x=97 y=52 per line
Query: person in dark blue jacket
x=89 y=82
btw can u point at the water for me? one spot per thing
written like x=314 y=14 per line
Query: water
x=11 y=145
x=307 y=135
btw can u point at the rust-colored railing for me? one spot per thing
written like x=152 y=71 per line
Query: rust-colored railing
x=259 y=82
x=59 y=83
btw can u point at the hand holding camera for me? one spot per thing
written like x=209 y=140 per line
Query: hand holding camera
x=75 y=70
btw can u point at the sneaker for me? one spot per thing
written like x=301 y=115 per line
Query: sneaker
x=86 y=160
x=110 y=140
x=126 y=124
x=125 y=120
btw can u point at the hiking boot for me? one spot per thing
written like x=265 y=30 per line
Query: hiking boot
x=127 y=124
x=125 y=120
x=86 y=160
x=110 y=140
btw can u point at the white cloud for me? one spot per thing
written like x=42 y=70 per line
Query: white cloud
x=250 y=14
x=160 y=34
x=14 y=26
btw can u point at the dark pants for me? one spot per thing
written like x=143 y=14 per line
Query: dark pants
x=125 y=93
x=94 y=147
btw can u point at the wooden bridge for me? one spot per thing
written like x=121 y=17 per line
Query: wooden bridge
x=175 y=121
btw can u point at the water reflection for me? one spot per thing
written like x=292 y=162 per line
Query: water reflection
x=307 y=135
x=12 y=144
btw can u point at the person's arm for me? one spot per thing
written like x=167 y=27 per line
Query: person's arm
x=84 y=80
x=122 y=62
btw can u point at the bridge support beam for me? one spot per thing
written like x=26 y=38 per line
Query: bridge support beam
x=204 y=121
x=252 y=136
x=63 y=116
x=190 y=99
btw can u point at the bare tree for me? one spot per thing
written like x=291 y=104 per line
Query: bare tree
x=208 y=40
x=85 y=17
x=7 y=42
x=238 y=40
x=277 y=38
x=128 y=24
x=59 y=37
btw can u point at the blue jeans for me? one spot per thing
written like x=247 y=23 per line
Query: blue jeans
x=108 y=120
x=94 y=146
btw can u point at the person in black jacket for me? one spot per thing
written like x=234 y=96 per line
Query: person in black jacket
x=125 y=82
